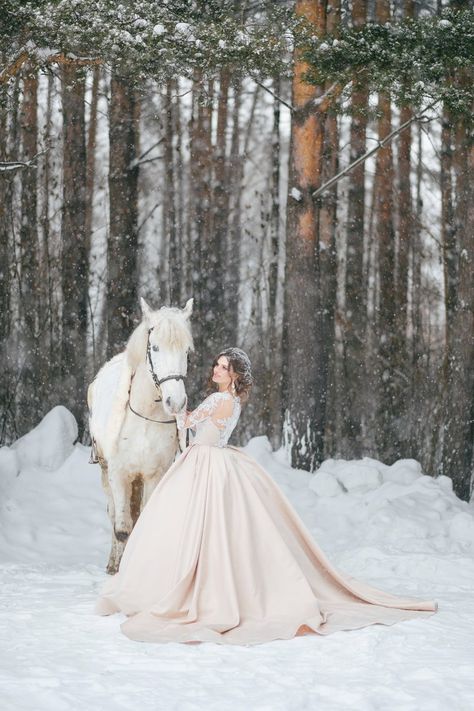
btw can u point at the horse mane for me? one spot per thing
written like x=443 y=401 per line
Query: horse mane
x=170 y=328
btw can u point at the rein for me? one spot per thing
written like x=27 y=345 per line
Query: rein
x=159 y=422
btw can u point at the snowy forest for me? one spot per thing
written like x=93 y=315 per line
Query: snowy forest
x=303 y=170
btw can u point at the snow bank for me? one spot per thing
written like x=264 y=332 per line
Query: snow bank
x=392 y=527
x=52 y=508
x=9 y=469
x=50 y=443
x=397 y=505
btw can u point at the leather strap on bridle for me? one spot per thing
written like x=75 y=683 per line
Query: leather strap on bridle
x=157 y=381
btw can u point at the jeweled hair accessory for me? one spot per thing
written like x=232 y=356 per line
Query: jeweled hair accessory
x=245 y=367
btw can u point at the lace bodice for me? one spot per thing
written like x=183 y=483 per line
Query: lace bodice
x=213 y=420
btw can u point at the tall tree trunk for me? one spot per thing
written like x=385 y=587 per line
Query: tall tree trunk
x=388 y=444
x=169 y=206
x=8 y=109
x=91 y=147
x=49 y=327
x=8 y=106
x=234 y=237
x=272 y=409
x=201 y=216
x=459 y=278
x=355 y=321
x=327 y=257
x=405 y=228
x=29 y=404
x=180 y=201
x=74 y=257
x=124 y=112
x=220 y=215
x=90 y=184
x=401 y=356
x=418 y=375
x=304 y=378
x=211 y=273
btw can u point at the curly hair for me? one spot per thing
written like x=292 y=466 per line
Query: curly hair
x=239 y=362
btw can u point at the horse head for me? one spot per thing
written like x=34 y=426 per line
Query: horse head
x=166 y=341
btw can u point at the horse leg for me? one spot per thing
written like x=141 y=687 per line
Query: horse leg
x=115 y=545
x=114 y=556
x=149 y=486
x=132 y=493
x=127 y=493
x=136 y=498
x=120 y=484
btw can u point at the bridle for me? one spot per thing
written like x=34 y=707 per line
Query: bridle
x=157 y=382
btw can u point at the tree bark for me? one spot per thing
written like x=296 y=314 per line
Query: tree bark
x=388 y=444
x=200 y=227
x=459 y=359
x=272 y=410
x=234 y=239
x=355 y=321
x=405 y=223
x=169 y=206
x=5 y=198
x=121 y=297
x=30 y=401
x=304 y=378
x=220 y=217
x=327 y=262
x=74 y=256
x=405 y=216
x=9 y=149
x=90 y=186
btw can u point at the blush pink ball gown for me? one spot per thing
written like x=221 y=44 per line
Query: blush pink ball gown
x=218 y=554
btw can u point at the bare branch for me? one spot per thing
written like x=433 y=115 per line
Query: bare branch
x=380 y=144
x=272 y=93
x=6 y=166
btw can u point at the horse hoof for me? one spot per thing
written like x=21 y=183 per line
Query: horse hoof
x=121 y=535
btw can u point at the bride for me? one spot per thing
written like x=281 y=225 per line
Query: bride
x=218 y=554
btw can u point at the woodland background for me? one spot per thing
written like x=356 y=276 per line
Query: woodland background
x=174 y=150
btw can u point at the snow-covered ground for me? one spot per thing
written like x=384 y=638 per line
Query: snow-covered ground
x=390 y=526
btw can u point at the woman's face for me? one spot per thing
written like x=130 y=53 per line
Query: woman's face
x=221 y=373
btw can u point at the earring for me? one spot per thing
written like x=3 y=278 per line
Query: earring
x=233 y=387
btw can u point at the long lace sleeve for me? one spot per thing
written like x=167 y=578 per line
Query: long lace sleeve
x=202 y=412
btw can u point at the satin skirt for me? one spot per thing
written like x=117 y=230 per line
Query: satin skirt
x=219 y=555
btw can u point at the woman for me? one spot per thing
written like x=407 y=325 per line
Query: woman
x=219 y=555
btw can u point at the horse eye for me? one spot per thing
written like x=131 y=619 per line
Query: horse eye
x=155 y=348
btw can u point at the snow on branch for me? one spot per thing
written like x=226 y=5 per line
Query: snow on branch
x=7 y=166
x=44 y=55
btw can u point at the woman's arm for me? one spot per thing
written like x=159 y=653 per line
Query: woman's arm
x=187 y=419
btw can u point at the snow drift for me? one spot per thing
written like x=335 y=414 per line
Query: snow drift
x=392 y=526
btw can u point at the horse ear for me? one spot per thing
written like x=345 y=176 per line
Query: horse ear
x=188 y=309
x=146 y=310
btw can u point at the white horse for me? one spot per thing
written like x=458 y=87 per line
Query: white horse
x=132 y=403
